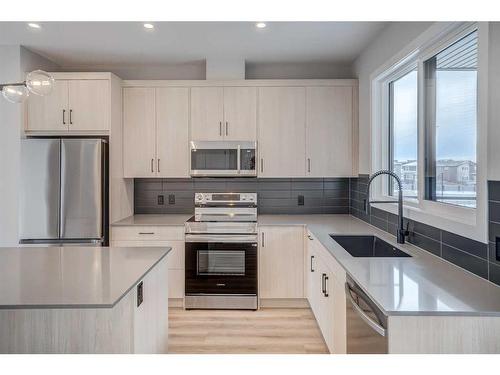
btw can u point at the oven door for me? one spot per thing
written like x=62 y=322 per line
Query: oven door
x=222 y=264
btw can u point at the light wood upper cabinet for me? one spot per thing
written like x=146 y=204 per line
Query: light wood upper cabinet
x=81 y=105
x=89 y=104
x=172 y=132
x=329 y=126
x=281 y=132
x=155 y=131
x=223 y=113
x=281 y=262
x=139 y=134
x=240 y=113
x=49 y=113
x=207 y=113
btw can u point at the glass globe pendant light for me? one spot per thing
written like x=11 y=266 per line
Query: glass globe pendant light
x=37 y=82
x=15 y=94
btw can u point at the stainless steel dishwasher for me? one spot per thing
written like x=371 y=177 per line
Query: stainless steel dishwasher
x=366 y=323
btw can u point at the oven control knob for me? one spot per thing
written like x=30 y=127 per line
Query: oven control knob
x=199 y=197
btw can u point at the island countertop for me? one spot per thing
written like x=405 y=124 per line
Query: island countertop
x=72 y=277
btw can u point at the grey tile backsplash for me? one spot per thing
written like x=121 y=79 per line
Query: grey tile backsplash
x=330 y=196
x=469 y=254
x=275 y=196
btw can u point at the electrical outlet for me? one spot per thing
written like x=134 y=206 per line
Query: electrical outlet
x=171 y=199
x=160 y=200
x=300 y=200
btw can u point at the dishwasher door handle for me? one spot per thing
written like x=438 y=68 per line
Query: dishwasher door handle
x=367 y=319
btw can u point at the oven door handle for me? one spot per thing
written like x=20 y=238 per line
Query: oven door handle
x=218 y=238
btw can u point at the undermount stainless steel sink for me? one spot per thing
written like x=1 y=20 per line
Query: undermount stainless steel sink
x=366 y=246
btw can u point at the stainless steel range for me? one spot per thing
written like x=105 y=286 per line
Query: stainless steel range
x=221 y=252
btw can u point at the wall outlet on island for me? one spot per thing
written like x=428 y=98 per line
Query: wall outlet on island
x=497 y=249
x=300 y=200
x=171 y=199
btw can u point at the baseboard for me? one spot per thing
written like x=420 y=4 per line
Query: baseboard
x=176 y=302
x=290 y=303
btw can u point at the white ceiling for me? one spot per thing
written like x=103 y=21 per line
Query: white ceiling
x=117 y=43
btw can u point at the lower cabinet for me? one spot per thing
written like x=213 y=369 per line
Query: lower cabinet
x=325 y=293
x=281 y=262
x=153 y=236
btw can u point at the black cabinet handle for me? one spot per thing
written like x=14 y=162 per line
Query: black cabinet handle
x=312 y=257
x=70 y=115
x=220 y=128
x=326 y=286
x=64 y=117
x=323 y=283
x=263 y=241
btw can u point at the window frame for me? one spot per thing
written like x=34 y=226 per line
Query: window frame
x=471 y=222
x=407 y=68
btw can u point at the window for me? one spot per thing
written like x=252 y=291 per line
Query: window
x=451 y=123
x=403 y=133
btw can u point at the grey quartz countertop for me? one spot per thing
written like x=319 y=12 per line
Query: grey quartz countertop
x=421 y=285
x=145 y=219
x=72 y=277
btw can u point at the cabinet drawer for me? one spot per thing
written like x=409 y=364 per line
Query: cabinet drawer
x=329 y=260
x=148 y=233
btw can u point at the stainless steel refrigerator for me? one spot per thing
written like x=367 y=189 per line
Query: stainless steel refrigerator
x=64 y=189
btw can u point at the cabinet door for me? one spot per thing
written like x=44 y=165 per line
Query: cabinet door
x=172 y=132
x=281 y=262
x=281 y=132
x=89 y=105
x=240 y=113
x=139 y=136
x=329 y=131
x=326 y=310
x=313 y=278
x=207 y=114
x=49 y=112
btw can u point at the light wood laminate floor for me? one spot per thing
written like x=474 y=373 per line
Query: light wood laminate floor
x=232 y=331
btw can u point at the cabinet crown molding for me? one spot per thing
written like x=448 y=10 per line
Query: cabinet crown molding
x=243 y=82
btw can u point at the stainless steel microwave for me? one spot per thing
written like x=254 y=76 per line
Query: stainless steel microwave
x=223 y=158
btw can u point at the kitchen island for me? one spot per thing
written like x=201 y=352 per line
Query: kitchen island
x=84 y=300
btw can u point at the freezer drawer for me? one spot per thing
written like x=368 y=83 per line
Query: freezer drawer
x=39 y=195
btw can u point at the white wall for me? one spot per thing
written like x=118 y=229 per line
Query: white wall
x=10 y=115
x=306 y=70
x=390 y=41
x=494 y=102
x=191 y=70
x=14 y=62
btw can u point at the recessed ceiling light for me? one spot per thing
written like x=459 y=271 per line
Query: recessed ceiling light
x=34 y=25
x=260 y=25
x=149 y=26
